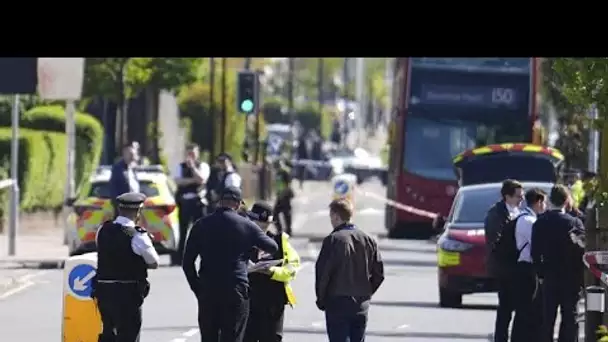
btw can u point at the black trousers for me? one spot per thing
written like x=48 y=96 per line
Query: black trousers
x=223 y=313
x=189 y=211
x=286 y=213
x=506 y=306
x=528 y=305
x=346 y=318
x=265 y=323
x=560 y=293
x=120 y=309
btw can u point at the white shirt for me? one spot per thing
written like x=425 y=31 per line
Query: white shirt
x=203 y=168
x=141 y=244
x=523 y=234
x=513 y=211
x=133 y=183
x=233 y=179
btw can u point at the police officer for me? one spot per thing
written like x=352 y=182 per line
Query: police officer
x=270 y=289
x=223 y=241
x=125 y=253
x=224 y=174
x=190 y=177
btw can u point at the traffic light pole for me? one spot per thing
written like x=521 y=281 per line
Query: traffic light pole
x=223 y=117
x=211 y=110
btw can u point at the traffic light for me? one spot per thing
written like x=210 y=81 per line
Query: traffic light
x=247 y=91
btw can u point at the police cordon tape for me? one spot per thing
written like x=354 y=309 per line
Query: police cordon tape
x=592 y=260
x=410 y=209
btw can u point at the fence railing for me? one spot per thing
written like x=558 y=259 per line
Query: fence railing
x=13 y=225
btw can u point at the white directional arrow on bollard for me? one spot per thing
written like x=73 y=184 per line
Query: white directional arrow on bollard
x=79 y=284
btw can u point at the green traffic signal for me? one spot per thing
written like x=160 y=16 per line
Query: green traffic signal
x=247 y=106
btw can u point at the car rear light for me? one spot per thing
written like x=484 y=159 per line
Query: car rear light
x=79 y=210
x=451 y=245
x=163 y=210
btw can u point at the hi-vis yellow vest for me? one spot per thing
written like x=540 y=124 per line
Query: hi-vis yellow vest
x=287 y=272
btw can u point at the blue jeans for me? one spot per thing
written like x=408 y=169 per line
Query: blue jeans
x=346 y=318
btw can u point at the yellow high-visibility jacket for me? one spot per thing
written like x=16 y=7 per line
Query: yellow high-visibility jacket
x=287 y=272
x=578 y=192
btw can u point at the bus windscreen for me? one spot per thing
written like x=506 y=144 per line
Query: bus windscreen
x=493 y=169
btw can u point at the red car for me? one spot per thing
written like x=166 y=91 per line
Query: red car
x=461 y=251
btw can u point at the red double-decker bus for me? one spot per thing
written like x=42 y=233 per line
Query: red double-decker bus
x=443 y=107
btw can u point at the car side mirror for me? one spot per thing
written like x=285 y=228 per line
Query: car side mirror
x=69 y=202
x=439 y=223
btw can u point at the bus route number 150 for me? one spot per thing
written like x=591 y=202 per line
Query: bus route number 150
x=503 y=96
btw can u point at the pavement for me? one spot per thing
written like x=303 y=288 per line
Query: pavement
x=404 y=309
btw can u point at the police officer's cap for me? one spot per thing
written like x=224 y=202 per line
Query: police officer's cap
x=261 y=211
x=131 y=200
x=232 y=193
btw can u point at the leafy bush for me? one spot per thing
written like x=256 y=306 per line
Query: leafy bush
x=42 y=167
x=89 y=136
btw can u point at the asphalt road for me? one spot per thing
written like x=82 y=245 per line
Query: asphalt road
x=404 y=309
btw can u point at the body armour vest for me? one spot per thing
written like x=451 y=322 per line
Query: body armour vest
x=115 y=257
x=263 y=289
x=190 y=188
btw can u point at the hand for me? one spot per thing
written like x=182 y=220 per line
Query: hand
x=320 y=305
x=190 y=163
x=266 y=271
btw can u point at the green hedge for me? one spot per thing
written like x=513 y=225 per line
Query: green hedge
x=89 y=136
x=42 y=166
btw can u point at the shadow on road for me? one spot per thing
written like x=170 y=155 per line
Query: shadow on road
x=390 y=262
x=413 y=304
x=372 y=333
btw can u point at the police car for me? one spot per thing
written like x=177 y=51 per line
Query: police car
x=159 y=214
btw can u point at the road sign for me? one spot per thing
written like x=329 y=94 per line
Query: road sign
x=341 y=187
x=60 y=78
x=79 y=280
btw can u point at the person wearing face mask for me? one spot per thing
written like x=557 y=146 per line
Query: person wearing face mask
x=528 y=304
x=348 y=271
x=498 y=216
x=270 y=288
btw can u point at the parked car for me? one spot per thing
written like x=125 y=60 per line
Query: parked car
x=461 y=251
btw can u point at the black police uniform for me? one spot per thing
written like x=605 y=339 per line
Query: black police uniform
x=120 y=284
x=217 y=181
x=267 y=296
x=190 y=209
x=223 y=240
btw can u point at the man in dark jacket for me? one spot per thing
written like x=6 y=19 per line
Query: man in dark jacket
x=558 y=261
x=349 y=270
x=123 y=178
x=502 y=212
x=223 y=241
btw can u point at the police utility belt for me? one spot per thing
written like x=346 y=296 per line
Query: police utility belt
x=193 y=195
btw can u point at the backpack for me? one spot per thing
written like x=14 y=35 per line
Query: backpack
x=504 y=248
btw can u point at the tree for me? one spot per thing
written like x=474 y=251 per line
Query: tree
x=573 y=123
x=120 y=79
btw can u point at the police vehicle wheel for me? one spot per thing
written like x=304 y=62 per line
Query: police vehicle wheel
x=449 y=299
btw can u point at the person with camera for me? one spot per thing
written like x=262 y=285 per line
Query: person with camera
x=191 y=175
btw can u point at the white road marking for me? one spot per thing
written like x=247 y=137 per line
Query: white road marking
x=370 y=212
x=318 y=324
x=313 y=251
x=190 y=332
x=25 y=282
x=186 y=335
x=403 y=326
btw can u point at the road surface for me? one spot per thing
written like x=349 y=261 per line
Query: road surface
x=404 y=309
